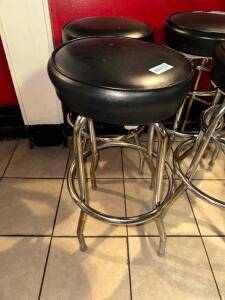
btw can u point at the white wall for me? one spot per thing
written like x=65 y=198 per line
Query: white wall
x=26 y=35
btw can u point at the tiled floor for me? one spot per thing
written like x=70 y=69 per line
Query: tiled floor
x=39 y=251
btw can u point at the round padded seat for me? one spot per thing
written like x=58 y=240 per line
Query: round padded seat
x=218 y=69
x=195 y=32
x=120 y=80
x=107 y=26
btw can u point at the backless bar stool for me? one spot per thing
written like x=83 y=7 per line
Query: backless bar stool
x=212 y=126
x=119 y=81
x=109 y=26
x=196 y=34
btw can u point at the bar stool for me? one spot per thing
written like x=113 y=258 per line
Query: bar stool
x=196 y=35
x=107 y=26
x=119 y=81
x=212 y=126
x=110 y=26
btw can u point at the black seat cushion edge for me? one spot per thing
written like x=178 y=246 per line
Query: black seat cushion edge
x=218 y=69
x=52 y=64
x=105 y=105
x=191 y=41
x=69 y=33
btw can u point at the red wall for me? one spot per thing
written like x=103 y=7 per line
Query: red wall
x=7 y=92
x=153 y=12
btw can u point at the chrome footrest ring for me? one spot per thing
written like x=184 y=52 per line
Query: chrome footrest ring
x=186 y=180
x=132 y=220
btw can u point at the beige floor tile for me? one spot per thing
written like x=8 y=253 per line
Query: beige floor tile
x=215 y=247
x=39 y=162
x=211 y=219
x=28 y=206
x=109 y=166
x=131 y=164
x=6 y=150
x=100 y=273
x=204 y=171
x=139 y=199
x=108 y=198
x=183 y=274
x=22 y=262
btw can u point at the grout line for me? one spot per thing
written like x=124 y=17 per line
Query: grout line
x=108 y=236
x=88 y=178
x=44 y=271
x=109 y=178
x=127 y=239
x=211 y=268
x=92 y=236
x=53 y=228
x=14 y=150
x=34 y=178
x=25 y=235
x=129 y=267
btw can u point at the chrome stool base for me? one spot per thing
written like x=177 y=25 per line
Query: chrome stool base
x=211 y=124
x=80 y=195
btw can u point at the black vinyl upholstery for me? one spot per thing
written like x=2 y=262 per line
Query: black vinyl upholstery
x=218 y=69
x=110 y=79
x=107 y=26
x=195 y=32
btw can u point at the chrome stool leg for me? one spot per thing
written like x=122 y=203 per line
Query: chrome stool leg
x=191 y=100
x=95 y=155
x=163 y=141
x=78 y=149
x=150 y=147
x=162 y=233
x=170 y=141
x=214 y=156
x=141 y=156
x=178 y=116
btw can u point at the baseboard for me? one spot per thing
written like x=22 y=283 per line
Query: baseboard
x=47 y=135
x=11 y=122
x=11 y=125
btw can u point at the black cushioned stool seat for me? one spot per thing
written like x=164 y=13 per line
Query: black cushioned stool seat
x=195 y=32
x=120 y=80
x=107 y=26
x=218 y=69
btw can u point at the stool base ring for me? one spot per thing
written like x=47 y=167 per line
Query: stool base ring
x=186 y=179
x=133 y=220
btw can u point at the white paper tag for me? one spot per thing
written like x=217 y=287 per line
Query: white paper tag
x=129 y=127
x=161 y=68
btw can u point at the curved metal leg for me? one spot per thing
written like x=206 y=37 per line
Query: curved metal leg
x=217 y=147
x=178 y=119
x=141 y=156
x=191 y=100
x=162 y=233
x=85 y=139
x=78 y=149
x=95 y=156
x=160 y=164
x=80 y=230
x=163 y=141
x=214 y=156
x=150 y=147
